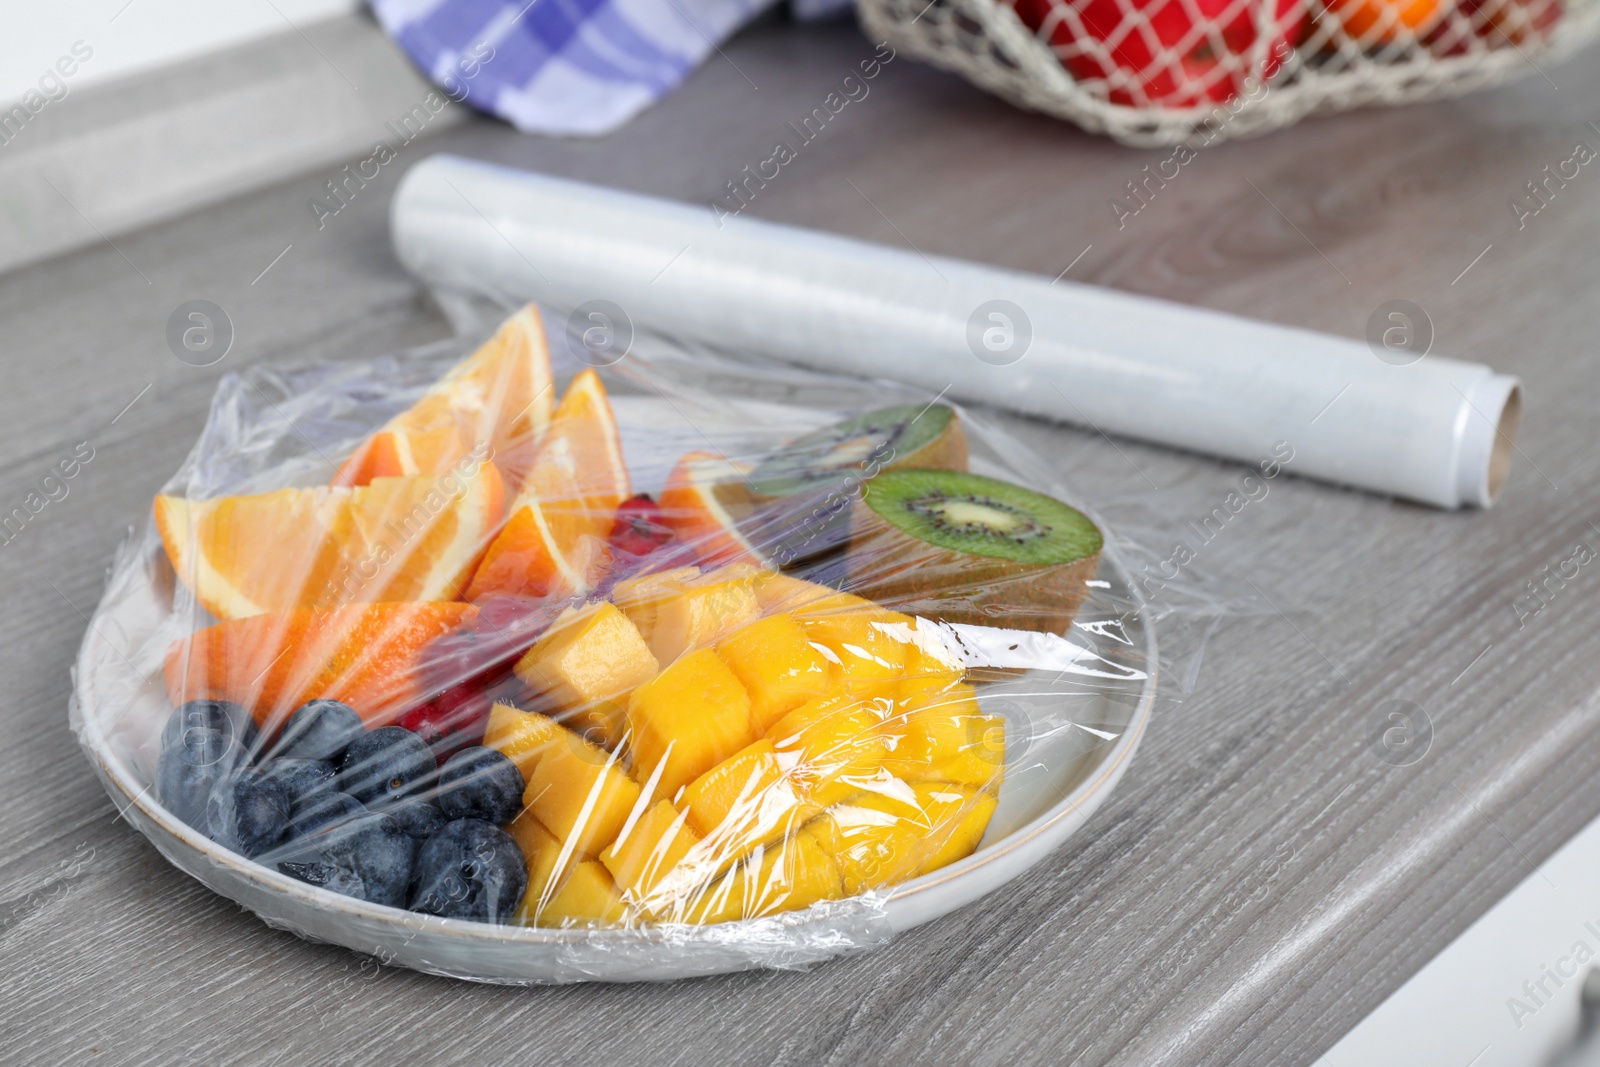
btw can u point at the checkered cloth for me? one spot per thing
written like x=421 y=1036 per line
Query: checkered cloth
x=567 y=66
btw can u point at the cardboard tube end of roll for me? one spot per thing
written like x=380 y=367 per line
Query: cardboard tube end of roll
x=1489 y=438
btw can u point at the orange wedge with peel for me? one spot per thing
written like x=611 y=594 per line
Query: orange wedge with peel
x=394 y=539
x=496 y=402
x=698 y=504
x=554 y=540
x=370 y=656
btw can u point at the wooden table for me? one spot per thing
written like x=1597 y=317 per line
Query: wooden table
x=1262 y=878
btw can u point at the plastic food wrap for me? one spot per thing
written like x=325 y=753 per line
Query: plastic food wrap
x=532 y=669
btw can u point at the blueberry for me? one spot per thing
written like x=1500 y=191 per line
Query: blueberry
x=480 y=783
x=314 y=823
x=190 y=769
x=469 y=870
x=385 y=765
x=248 y=812
x=223 y=716
x=417 y=819
x=319 y=812
x=302 y=779
x=318 y=729
x=369 y=858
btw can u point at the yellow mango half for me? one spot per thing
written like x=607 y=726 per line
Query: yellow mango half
x=868 y=646
x=884 y=837
x=875 y=837
x=520 y=735
x=779 y=665
x=742 y=803
x=948 y=740
x=686 y=720
x=831 y=745
x=792 y=874
x=581 y=794
x=587 y=665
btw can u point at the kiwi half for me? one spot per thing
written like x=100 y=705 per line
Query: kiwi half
x=908 y=435
x=961 y=547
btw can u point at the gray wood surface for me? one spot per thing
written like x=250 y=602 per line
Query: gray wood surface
x=1259 y=881
x=110 y=158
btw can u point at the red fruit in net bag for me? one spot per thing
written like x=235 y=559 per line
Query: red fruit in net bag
x=1512 y=22
x=1164 y=53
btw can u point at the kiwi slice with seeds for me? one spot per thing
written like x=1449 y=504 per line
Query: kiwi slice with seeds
x=907 y=435
x=962 y=547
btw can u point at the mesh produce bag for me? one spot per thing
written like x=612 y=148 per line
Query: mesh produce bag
x=1158 y=72
x=532 y=670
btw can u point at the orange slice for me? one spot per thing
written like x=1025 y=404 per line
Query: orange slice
x=698 y=504
x=494 y=404
x=554 y=542
x=368 y=656
x=396 y=539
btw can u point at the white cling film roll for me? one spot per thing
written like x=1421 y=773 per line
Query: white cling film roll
x=1438 y=431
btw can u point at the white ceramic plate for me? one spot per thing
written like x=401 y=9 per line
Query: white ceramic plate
x=1070 y=734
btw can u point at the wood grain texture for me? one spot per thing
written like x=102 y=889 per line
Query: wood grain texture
x=273 y=108
x=1259 y=881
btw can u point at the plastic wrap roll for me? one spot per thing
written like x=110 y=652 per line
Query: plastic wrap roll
x=1436 y=430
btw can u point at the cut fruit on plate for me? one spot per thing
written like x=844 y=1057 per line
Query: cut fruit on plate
x=963 y=548
x=703 y=500
x=496 y=403
x=554 y=541
x=394 y=539
x=369 y=657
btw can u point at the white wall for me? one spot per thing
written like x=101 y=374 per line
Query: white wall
x=127 y=36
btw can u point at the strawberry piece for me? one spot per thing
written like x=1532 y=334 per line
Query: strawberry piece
x=637 y=535
x=638 y=529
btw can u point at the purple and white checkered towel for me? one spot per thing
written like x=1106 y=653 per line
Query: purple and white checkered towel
x=566 y=66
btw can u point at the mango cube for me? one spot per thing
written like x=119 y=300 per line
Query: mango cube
x=959 y=819
x=685 y=720
x=833 y=743
x=876 y=838
x=932 y=668
x=868 y=646
x=742 y=803
x=587 y=897
x=780 y=593
x=547 y=866
x=588 y=664
x=700 y=613
x=649 y=850
x=581 y=794
x=780 y=667
x=880 y=838
x=787 y=876
x=522 y=736
x=948 y=740
x=639 y=596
